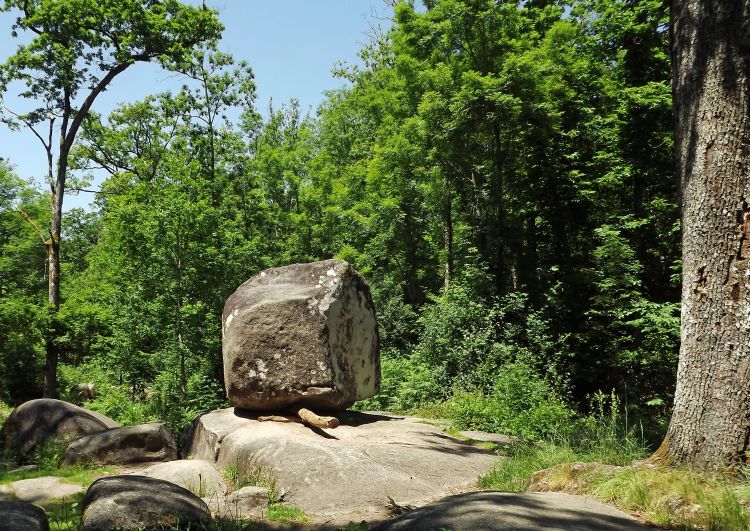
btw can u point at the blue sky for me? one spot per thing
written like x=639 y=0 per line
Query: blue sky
x=292 y=46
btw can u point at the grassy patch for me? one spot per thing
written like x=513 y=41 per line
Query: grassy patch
x=675 y=497
x=74 y=474
x=456 y=434
x=65 y=515
x=279 y=512
x=666 y=497
x=253 y=475
x=512 y=474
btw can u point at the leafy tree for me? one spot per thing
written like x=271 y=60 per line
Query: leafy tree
x=77 y=49
x=24 y=318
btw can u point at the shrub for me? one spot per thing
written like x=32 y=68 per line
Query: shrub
x=5 y=411
x=406 y=384
x=520 y=403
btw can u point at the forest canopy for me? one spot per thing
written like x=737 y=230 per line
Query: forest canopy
x=501 y=174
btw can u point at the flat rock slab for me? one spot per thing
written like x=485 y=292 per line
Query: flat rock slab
x=247 y=503
x=498 y=511
x=42 y=490
x=494 y=438
x=355 y=466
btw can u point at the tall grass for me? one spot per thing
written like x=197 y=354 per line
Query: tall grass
x=668 y=497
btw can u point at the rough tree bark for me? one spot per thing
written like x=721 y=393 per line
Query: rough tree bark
x=710 y=425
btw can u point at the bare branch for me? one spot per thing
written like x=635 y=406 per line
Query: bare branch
x=31 y=222
x=27 y=124
x=88 y=190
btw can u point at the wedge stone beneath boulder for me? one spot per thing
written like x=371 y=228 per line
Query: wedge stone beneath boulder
x=304 y=334
x=138 y=502
x=118 y=446
x=358 y=465
x=37 y=421
x=504 y=511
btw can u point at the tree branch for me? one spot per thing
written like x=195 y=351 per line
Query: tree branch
x=103 y=83
x=27 y=124
x=25 y=216
x=87 y=190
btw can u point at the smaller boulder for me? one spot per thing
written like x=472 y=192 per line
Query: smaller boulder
x=143 y=443
x=86 y=391
x=199 y=477
x=137 y=502
x=37 y=421
x=20 y=516
x=247 y=503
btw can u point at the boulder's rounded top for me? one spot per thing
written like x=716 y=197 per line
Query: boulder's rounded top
x=35 y=421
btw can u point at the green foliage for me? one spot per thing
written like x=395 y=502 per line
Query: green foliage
x=520 y=404
x=499 y=172
x=279 y=512
x=65 y=515
x=512 y=474
x=5 y=411
x=24 y=316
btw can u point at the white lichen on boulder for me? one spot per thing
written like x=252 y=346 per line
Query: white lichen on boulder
x=304 y=335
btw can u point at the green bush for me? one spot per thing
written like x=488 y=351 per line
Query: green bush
x=406 y=384
x=5 y=411
x=119 y=402
x=521 y=403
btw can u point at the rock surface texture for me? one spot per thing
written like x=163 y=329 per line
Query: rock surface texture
x=36 y=421
x=19 y=516
x=132 y=444
x=407 y=459
x=503 y=511
x=304 y=334
x=247 y=503
x=138 y=502
x=197 y=476
x=41 y=490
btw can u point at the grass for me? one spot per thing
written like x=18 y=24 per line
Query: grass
x=279 y=512
x=512 y=474
x=250 y=474
x=65 y=515
x=48 y=459
x=674 y=498
x=678 y=497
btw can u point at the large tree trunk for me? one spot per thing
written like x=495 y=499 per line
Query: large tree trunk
x=710 y=425
x=53 y=293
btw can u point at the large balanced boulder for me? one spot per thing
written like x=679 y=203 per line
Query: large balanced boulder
x=138 y=502
x=359 y=465
x=37 y=421
x=118 y=446
x=301 y=335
